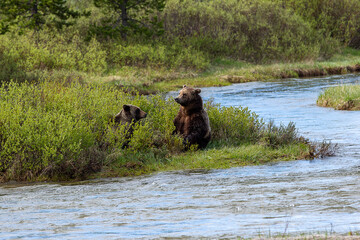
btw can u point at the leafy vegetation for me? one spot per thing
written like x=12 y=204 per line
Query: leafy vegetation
x=55 y=111
x=255 y=31
x=337 y=19
x=61 y=130
x=23 y=14
x=130 y=16
x=344 y=97
x=173 y=39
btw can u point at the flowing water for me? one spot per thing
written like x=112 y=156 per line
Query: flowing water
x=321 y=195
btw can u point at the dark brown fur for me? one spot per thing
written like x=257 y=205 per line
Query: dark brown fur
x=129 y=115
x=192 y=121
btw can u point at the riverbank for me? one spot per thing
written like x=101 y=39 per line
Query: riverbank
x=343 y=97
x=220 y=157
x=56 y=131
x=266 y=200
x=223 y=72
x=44 y=137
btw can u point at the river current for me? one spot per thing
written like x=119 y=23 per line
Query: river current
x=304 y=196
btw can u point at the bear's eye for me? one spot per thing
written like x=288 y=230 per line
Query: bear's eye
x=184 y=95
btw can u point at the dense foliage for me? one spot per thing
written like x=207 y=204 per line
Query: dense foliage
x=34 y=14
x=131 y=15
x=61 y=128
x=257 y=31
x=194 y=34
x=334 y=18
x=64 y=130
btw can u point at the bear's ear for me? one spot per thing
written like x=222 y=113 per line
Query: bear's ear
x=126 y=108
x=184 y=86
x=198 y=91
x=117 y=117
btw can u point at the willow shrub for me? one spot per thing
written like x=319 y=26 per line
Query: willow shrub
x=258 y=31
x=336 y=18
x=157 y=54
x=46 y=50
x=55 y=130
x=233 y=125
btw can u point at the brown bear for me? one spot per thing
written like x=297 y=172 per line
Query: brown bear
x=192 y=121
x=129 y=115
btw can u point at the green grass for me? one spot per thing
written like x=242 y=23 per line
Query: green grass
x=221 y=157
x=343 y=97
x=225 y=72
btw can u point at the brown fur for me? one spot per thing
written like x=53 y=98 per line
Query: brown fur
x=192 y=121
x=129 y=115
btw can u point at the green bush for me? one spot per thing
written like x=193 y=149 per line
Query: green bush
x=43 y=129
x=49 y=51
x=233 y=125
x=338 y=19
x=258 y=30
x=157 y=55
x=61 y=130
x=274 y=136
x=196 y=32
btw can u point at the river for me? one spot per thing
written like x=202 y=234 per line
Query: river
x=305 y=196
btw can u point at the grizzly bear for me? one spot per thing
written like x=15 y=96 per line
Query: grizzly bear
x=192 y=121
x=128 y=116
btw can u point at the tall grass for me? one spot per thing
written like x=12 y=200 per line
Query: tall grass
x=343 y=97
x=61 y=130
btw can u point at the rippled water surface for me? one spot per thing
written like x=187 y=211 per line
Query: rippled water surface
x=322 y=195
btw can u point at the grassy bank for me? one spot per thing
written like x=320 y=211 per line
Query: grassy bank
x=220 y=157
x=62 y=131
x=344 y=97
x=226 y=72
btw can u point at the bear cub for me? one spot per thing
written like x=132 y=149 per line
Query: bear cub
x=192 y=121
x=129 y=115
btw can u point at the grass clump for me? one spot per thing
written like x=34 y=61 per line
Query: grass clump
x=62 y=131
x=343 y=97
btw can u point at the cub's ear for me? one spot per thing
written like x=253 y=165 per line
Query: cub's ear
x=117 y=117
x=198 y=91
x=184 y=86
x=126 y=108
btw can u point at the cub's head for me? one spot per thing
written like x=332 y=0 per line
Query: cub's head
x=188 y=96
x=130 y=113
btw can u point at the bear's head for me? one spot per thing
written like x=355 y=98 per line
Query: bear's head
x=188 y=96
x=130 y=113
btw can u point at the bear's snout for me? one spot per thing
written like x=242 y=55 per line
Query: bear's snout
x=177 y=100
